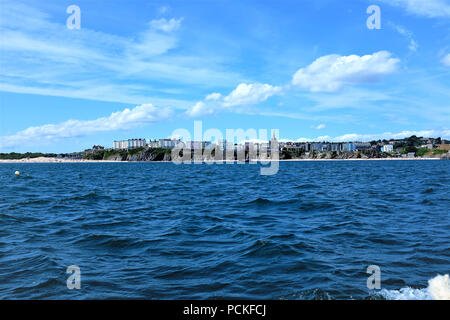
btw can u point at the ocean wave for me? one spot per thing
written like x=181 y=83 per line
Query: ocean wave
x=93 y=195
x=261 y=201
x=438 y=289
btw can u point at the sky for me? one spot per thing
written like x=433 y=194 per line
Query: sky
x=314 y=70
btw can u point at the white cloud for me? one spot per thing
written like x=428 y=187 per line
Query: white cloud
x=320 y=127
x=200 y=109
x=166 y=25
x=446 y=60
x=243 y=95
x=246 y=94
x=125 y=119
x=413 y=45
x=213 y=96
x=427 y=8
x=39 y=55
x=330 y=73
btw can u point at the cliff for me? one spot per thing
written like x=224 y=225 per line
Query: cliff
x=159 y=154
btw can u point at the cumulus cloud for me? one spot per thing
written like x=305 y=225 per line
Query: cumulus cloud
x=166 y=25
x=330 y=73
x=427 y=8
x=243 y=95
x=446 y=60
x=213 y=96
x=125 y=119
x=200 y=109
x=246 y=94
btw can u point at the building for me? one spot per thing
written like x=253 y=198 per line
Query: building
x=307 y=146
x=387 y=148
x=273 y=143
x=336 y=147
x=167 y=143
x=263 y=147
x=208 y=145
x=428 y=146
x=74 y=156
x=153 y=144
x=348 y=146
x=362 y=146
x=442 y=146
x=195 y=145
x=120 y=144
x=293 y=147
x=316 y=147
x=130 y=144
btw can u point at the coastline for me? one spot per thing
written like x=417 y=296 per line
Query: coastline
x=56 y=160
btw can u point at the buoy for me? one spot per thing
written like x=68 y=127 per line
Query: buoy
x=17 y=173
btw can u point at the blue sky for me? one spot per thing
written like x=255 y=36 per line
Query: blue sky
x=312 y=69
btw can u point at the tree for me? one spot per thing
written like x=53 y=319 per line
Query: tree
x=409 y=149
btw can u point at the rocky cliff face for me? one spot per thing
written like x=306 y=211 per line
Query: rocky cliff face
x=165 y=155
x=115 y=157
x=144 y=155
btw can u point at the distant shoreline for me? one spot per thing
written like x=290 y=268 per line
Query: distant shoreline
x=56 y=160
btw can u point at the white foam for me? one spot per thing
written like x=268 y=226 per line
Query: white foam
x=406 y=294
x=438 y=289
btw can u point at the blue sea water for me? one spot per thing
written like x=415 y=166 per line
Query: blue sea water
x=166 y=231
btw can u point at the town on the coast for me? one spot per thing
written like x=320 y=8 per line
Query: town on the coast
x=142 y=149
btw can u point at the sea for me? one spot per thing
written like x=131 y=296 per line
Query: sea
x=223 y=231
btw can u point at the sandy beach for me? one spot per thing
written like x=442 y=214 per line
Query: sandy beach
x=54 y=160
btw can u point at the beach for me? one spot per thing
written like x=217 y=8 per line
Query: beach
x=54 y=160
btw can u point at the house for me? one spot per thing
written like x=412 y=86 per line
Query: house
x=387 y=148
x=74 y=156
x=428 y=146
x=445 y=147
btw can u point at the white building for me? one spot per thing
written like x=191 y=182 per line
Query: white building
x=168 y=143
x=387 y=148
x=429 y=146
x=130 y=144
x=154 y=144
